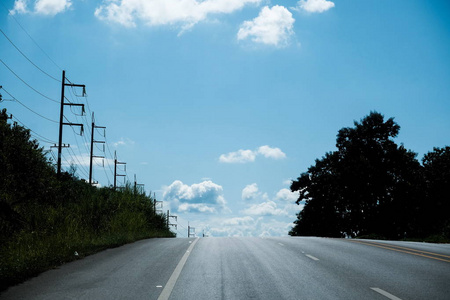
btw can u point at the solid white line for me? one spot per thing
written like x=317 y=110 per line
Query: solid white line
x=165 y=294
x=386 y=294
x=312 y=257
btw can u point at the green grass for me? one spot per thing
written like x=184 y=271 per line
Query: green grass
x=54 y=233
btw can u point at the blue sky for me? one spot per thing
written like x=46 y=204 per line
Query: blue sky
x=216 y=105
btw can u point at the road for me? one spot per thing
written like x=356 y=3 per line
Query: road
x=250 y=268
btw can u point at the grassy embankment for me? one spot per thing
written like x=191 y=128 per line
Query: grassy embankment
x=54 y=234
x=47 y=220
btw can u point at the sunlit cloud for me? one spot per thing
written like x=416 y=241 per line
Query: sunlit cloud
x=204 y=197
x=245 y=156
x=273 y=26
x=314 y=6
x=182 y=13
x=42 y=7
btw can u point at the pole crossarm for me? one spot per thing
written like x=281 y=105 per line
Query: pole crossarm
x=61 y=117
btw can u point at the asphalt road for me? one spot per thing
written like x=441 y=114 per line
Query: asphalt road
x=250 y=268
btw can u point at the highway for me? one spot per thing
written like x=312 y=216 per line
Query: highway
x=250 y=268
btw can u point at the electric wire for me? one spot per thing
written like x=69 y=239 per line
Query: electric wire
x=28 y=85
x=47 y=140
x=17 y=100
x=82 y=167
x=31 y=38
x=23 y=54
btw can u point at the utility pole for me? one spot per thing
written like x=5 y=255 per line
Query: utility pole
x=115 y=168
x=61 y=116
x=155 y=205
x=92 y=147
x=191 y=231
x=136 y=185
x=168 y=220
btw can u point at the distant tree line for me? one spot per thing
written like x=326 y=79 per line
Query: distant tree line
x=44 y=219
x=370 y=186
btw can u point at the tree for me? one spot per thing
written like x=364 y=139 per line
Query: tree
x=365 y=187
x=25 y=171
x=436 y=207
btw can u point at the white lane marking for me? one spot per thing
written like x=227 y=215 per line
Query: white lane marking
x=386 y=294
x=312 y=257
x=165 y=294
x=280 y=244
x=159 y=286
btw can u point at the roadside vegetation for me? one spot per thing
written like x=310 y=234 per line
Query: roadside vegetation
x=46 y=221
x=371 y=187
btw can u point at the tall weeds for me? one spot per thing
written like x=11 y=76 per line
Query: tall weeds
x=47 y=220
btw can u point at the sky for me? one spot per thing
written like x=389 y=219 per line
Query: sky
x=216 y=105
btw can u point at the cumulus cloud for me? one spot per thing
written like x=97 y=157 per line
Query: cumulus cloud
x=240 y=156
x=250 y=192
x=51 y=7
x=166 y=12
x=204 y=197
x=287 y=196
x=42 y=7
x=124 y=142
x=274 y=153
x=245 y=156
x=314 y=6
x=268 y=208
x=20 y=7
x=239 y=221
x=273 y=26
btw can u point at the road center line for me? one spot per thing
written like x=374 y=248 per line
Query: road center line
x=408 y=251
x=386 y=294
x=312 y=257
x=165 y=294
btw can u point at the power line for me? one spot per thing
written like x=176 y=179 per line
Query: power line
x=23 y=54
x=17 y=100
x=31 y=38
x=27 y=83
x=46 y=140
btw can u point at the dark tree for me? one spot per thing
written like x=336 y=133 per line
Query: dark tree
x=25 y=172
x=368 y=186
x=436 y=207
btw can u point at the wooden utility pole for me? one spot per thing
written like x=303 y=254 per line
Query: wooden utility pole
x=92 y=147
x=61 y=117
x=115 y=169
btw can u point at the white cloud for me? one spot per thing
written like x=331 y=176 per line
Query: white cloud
x=245 y=156
x=287 y=196
x=166 y=12
x=20 y=7
x=269 y=152
x=239 y=221
x=51 y=7
x=314 y=6
x=273 y=26
x=42 y=7
x=268 y=208
x=250 y=192
x=196 y=207
x=287 y=182
x=240 y=156
x=124 y=142
x=204 y=197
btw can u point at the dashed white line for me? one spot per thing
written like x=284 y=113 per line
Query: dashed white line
x=312 y=257
x=165 y=294
x=280 y=244
x=386 y=294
